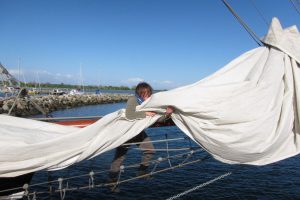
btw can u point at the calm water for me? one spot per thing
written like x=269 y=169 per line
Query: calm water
x=280 y=180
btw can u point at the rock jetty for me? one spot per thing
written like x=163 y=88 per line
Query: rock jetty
x=32 y=105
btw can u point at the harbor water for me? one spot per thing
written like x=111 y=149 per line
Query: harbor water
x=207 y=179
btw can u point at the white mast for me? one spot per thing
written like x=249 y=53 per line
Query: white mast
x=24 y=80
x=81 y=78
x=38 y=80
x=19 y=82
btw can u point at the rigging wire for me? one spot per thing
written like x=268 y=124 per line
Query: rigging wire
x=200 y=186
x=260 y=13
x=295 y=7
x=246 y=27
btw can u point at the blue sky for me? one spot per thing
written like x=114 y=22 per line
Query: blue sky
x=168 y=43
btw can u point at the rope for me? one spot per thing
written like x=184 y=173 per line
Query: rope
x=91 y=180
x=200 y=186
x=14 y=104
x=158 y=171
x=34 y=196
x=50 y=181
x=155 y=141
x=247 y=28
x=62 y=191
x=23 y=93
x=260 y=13
x=115 y=185
x=167 y=145
x=118 y=182
x=91 y=184
x=168 y=149
x=39 y=108
x=159 y=160
x=188 y=157
x=295 y=7
x=26 y=193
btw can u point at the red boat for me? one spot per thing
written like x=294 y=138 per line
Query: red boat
x=82 y=122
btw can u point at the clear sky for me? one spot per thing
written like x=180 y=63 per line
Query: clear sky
x=168 y=43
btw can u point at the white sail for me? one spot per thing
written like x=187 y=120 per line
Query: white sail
x=247 y=112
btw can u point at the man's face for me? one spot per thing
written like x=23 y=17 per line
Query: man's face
x=145 y=95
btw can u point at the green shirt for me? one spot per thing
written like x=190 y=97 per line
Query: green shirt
x=131 y=112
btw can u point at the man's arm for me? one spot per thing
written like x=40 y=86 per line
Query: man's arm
x=131 y=112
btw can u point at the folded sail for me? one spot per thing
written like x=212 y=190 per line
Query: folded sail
x=247 y=112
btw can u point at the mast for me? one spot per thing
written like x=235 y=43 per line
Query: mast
x=38 y=79
x=81 y=78
x=19 y=82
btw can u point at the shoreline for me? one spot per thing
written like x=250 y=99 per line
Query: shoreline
x=32 y=105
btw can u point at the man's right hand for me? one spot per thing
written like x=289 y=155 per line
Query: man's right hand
x=150 y=113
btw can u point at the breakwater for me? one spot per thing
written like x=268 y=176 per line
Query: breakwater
x=32 y=105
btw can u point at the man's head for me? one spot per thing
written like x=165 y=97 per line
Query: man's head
x=144 y=90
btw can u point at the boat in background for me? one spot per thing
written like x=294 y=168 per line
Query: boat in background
x=57 y=92
x=76 y=92
x=34 y=91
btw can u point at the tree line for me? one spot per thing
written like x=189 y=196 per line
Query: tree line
x=70 y=86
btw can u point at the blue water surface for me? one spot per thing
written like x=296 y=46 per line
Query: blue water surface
x=277 y=181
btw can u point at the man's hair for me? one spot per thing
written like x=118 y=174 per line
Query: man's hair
x=142 y=87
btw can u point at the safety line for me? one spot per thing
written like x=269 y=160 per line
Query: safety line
x=199 y=186
x=65 y=190
x=177 y=156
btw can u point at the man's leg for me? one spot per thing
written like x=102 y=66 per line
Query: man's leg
x=115 y=167
x=120 y=155
x=148 y=152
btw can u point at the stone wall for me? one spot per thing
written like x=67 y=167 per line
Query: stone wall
x=31 y=105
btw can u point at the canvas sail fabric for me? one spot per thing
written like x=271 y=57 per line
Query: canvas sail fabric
x=247 y=112
x=28 y=145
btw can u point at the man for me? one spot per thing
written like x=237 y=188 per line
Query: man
x=142 y=92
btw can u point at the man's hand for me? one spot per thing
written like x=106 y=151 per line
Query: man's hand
x=169 y=110
x=150 y=113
